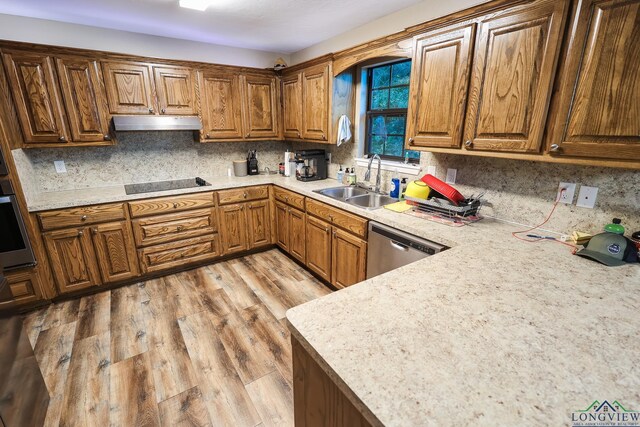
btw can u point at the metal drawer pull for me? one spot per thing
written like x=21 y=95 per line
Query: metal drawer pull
x=175 y=206
x=244 y=195
x=80 y=233
x=83 y=218
x=398 y=246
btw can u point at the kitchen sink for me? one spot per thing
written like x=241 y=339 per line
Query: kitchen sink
x=357 y=196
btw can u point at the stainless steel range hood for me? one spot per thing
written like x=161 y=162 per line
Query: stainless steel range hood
x=147 y=123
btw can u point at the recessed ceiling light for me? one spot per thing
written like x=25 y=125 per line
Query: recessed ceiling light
x=201 y=5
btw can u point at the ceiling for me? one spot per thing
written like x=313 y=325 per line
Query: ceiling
x=272 y=25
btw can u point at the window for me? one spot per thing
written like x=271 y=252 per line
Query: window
x=387 y=101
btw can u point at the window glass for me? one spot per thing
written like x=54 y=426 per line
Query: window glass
x=387 y=102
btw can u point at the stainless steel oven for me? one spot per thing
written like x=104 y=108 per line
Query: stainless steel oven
x=15 y=249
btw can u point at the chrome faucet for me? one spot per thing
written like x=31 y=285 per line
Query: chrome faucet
x=367 y=174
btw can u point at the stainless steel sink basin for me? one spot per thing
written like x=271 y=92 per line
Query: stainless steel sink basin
x=343 y=193
x=356 y=196
x=371 y=200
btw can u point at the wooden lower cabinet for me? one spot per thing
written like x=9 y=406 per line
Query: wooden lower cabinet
x=291 y=231
x=319 y=247
x=25 y=287
x=115 y=251
x=234 y=228
x=317 y=400
x=282 y=225
x=348 y=259
x=177 y=254
x=297 y=234
x=258 y=223
x=73 y=259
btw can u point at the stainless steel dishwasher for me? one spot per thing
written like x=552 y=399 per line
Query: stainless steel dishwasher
x=390 y=248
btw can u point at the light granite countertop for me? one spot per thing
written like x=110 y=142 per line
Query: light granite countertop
x=492 y=331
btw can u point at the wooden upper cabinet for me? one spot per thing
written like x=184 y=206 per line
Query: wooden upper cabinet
x=35 y=93
x=598 y=98
x=129 y=88
x=221 y=105
x=175 y=89
x=84 y=99
x=260 y=107
x=514 y=66
x=115 y=251
x=315 y=102
x=292 y=106
x=439 y=87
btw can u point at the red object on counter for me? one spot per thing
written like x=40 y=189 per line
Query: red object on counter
x=443 y=188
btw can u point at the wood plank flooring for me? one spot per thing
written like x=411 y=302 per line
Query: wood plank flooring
x=204 y=347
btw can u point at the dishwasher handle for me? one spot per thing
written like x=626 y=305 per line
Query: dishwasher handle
x=399 y=246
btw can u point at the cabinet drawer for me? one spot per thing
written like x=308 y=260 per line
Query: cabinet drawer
x=178 y=226
x=289 y=197
x=338 y=217
x=176 y=254
x=227 y=197
x=74 y=217
x=24 y=286
x=164 y=205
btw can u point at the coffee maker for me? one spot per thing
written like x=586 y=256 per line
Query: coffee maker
x=311 y=165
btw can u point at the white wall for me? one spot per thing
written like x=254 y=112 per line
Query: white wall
x=18 y=28
x=393 y=23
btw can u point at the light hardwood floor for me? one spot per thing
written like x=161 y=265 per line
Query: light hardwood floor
x=205 y=347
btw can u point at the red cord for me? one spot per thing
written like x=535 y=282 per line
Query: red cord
x=555 y=205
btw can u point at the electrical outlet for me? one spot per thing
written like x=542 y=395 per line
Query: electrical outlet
x=567 y=196
x=451 y=176
x=587 y=197
x=431 y=170
x=60 y=166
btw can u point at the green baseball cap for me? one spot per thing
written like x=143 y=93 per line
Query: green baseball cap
x=608 y=248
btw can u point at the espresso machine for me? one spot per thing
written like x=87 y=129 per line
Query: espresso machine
x=311 y=165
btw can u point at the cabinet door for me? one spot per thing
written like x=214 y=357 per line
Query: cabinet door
x=73 y=259
x=349 y=257
x=315 y=103
x=233 y=228
x=513 y=71
x=115 y=251
x=221 y=106
x=258 y=223
x=282 y=225
x=175 y=88
x=129 y=88
x=319 y=247
x=439 y=87
x=260 y=107
x=84 y=99
x=599 y=88
x=35 y=93
x=297 y=234
x=292 y=106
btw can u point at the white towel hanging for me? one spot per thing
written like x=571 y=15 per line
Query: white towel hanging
x=344 y=130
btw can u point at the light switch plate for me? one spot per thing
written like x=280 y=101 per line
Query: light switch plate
x=451 y=176
x=567 y=196
x=587 y=197
x=431 y=170
x=60 y=166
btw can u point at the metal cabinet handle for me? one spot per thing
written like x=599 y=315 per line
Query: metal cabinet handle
x=250 y=207
x=83 y=218
x=398 y=246
x=207 y=136
x=80 y=233
x=555 y=148
x=180 y=228
x=331 y=217
x=94 y=231
x=289 y=210
x=151 y=110
x=175 y=206
x=286 y=198
x=298 y=134
x=244 y=195
x=334 y=233
x=62 y=139
x=241 y=208
x=326 y=230
x=468 y=143
x=107 y=137
x=163 y=111
x=410 y=140
x=324 y=137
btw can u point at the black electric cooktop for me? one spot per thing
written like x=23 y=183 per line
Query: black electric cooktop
x=176 y=184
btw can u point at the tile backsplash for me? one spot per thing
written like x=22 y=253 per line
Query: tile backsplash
x=517 y=191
